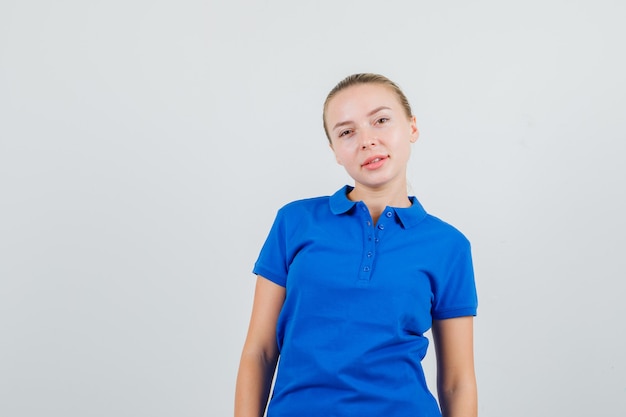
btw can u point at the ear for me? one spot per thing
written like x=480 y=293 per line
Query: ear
x=415 y=133
x=336 y=156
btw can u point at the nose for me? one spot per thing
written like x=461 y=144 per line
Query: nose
x=367 y=144
x=368 y=140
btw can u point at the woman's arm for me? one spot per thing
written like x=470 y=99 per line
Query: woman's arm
x=260 y=352
x=456 y=380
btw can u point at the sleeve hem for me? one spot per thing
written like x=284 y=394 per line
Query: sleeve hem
x=265 y=273
x=453 y=313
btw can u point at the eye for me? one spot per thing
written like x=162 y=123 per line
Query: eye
x=382 y=120
x=345 y=132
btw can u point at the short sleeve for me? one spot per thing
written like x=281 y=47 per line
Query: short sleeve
x=455 y=288
x=272 y=261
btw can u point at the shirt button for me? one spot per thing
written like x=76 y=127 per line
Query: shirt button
x=369 y=223
x=366 y=269
x=388 y=214
x=376 y=240
x=369 y=254
x=381 y=226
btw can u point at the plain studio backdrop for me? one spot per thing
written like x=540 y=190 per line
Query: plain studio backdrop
x=145 y=147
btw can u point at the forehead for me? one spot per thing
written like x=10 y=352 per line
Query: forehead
x=362 y=98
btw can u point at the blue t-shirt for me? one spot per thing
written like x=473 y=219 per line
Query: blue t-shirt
x=359 y=298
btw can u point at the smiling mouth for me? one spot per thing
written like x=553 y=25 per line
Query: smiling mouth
x=373 y=161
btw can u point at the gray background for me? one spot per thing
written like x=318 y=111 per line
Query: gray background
x=145 y=147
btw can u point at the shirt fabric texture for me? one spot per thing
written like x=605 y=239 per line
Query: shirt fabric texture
x=359 y=298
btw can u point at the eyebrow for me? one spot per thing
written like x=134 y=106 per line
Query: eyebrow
x=376 y=110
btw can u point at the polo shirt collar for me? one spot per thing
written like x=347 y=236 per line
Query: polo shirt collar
x=408 y=216
x=339 y=202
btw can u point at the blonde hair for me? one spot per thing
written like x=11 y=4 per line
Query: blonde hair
x=365 y=78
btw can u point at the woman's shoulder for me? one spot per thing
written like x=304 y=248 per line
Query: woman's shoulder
x=444 y=230
x=298 y=207
x=309 y=201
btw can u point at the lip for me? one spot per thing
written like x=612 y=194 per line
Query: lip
x=374 y=162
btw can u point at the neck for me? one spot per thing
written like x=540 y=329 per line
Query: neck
x=376 y=199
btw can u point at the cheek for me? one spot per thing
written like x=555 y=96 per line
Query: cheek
x=342 y=158
x=342 y=153
x=337 y=154
x=408 y=150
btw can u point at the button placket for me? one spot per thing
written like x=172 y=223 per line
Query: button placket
x=372 y=234
x=367 y=257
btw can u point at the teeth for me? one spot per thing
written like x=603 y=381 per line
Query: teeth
x=374 y=160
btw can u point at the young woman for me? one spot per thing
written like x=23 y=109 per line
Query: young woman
x=348 y=284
